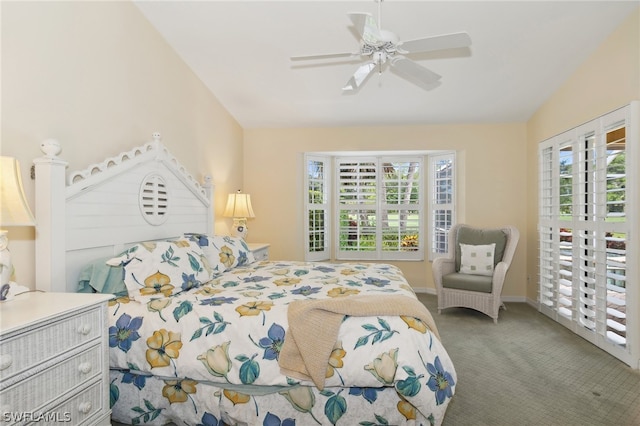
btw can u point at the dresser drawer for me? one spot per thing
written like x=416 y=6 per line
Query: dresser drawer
x=83 y=406
x=39 y=389
x=38 y=344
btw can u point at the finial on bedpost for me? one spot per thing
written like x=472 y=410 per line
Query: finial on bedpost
x=157 y=137
x=50 y=147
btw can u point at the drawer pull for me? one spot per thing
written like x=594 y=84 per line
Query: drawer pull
x=84 y=329
x=84 y=368
x=5 y=361
x=84 y=407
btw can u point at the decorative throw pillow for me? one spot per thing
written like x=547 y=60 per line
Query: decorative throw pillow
x=477 y=259
x=163 y=268
x=224 y=252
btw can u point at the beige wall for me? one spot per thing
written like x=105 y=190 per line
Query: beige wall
x=491 y=160
x=607 y=80
x=100 y=79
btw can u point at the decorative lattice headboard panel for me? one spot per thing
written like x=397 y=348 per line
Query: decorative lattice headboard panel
x=139 y=195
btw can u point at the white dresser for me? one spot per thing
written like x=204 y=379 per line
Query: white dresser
x=54 y=365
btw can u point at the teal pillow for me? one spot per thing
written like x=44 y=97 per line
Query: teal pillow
x=475 y=236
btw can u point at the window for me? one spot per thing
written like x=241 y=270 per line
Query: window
x=378 y=208
x=586 y=188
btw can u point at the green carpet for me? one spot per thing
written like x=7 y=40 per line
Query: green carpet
x=529 y=370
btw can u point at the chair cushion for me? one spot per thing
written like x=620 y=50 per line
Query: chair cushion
x=467 y=282
x=473 y=236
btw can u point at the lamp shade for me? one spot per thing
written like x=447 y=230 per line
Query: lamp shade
x=14 y=210
x=239 y=205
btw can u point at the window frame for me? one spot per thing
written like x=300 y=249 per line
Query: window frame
x=427 y=204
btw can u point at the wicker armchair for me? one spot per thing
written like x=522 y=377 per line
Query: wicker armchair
x=456 y=288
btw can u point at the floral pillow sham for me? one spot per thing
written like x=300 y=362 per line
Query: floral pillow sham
x=163 y=268
x=222 y=251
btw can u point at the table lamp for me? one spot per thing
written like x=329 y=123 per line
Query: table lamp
x=14 y=211
x=239 y=208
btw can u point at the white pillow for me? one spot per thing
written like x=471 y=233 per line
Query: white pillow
x=477 y=260
x=163 y=268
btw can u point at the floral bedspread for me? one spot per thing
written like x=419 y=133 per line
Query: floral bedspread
x=228 y=333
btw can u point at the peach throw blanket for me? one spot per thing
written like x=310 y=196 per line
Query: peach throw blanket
x=314 y=324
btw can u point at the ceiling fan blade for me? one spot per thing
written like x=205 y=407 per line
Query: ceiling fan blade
x=367 y=27
x=324 y=56
x=415 y=73
x=359 y=76
x=428 y=44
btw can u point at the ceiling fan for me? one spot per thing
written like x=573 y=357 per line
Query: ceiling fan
x=380 y=47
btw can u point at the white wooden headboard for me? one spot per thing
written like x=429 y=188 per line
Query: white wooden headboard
x=140 y=195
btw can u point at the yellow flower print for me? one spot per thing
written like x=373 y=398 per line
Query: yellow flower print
x=286 y=281
x=181 y=243
x=252 y=293
x=118 y=300
x=406 y=409
x=252 y=309
x=157 y=283
x=236 y=397
x=342 y=292
x=242 y=271
x=226 y=256
x=335 y=359
x=157 y=305
x=207 y=290
x=216 y=360
x=384 y=367
x=415 y=323
x=283 y=271
x=178 y=390
x=301 y=398
x=150 y=246
x=349 y=271
x=163 y=346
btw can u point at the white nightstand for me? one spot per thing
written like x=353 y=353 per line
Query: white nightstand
x=260 y=250
x=54 y=359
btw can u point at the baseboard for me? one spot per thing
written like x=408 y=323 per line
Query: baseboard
x=425 y=291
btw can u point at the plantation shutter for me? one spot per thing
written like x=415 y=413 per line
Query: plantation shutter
x=401 y=208
x=317 y=223
x=588 y=183
x=379 y=208
x=442 y=201
x=357 y=204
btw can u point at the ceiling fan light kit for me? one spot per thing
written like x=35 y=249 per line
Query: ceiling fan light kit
x=379 y=47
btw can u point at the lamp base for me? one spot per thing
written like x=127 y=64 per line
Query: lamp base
x=6 y=268
x=239 y=228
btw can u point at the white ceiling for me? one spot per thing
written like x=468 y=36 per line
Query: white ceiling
x=521 y=52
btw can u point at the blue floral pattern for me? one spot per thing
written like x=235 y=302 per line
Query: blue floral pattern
x=209 y=355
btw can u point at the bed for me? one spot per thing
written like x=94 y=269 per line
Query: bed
x=201 y=333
